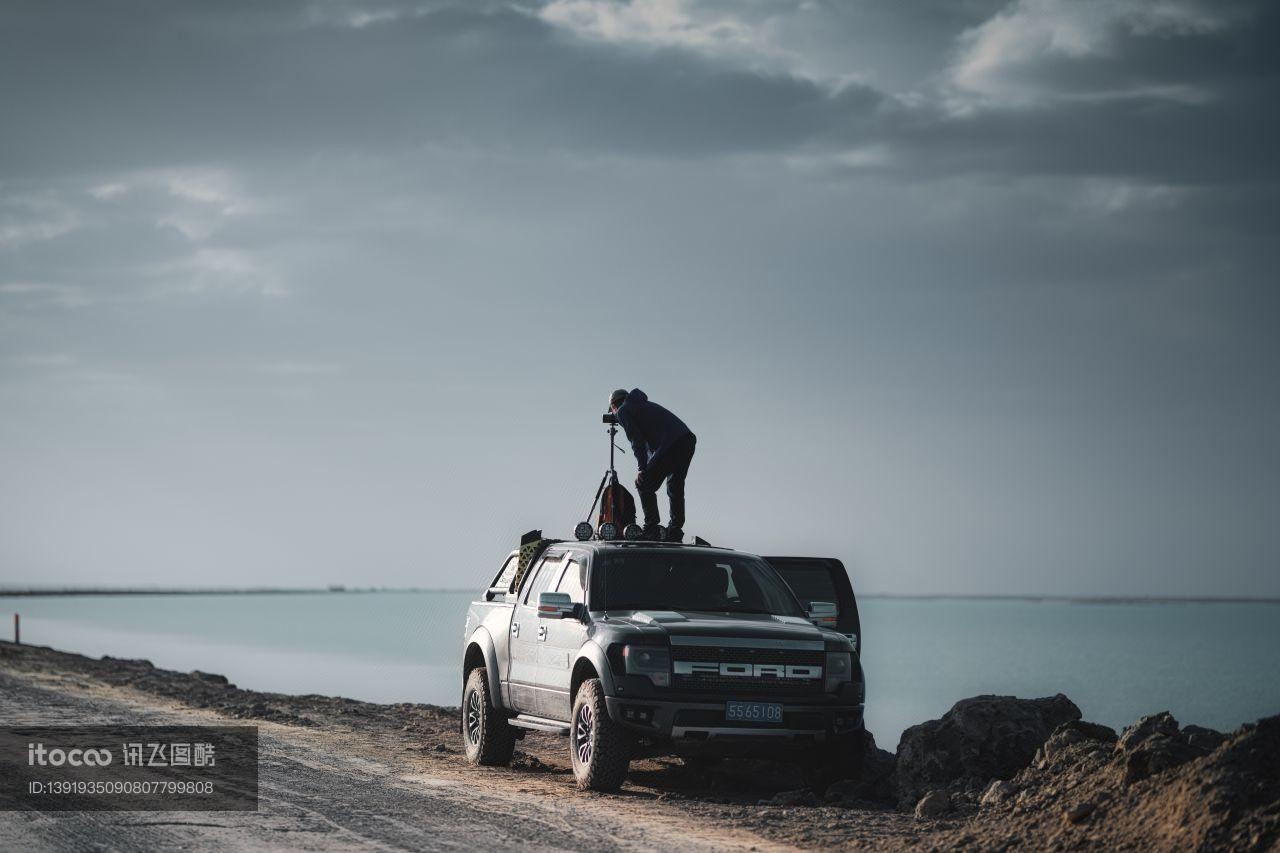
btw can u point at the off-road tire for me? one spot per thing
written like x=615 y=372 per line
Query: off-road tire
x=488 y=738
x=599 y=748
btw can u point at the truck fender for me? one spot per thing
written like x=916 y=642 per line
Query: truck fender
x=482 y=641
x=592 y=653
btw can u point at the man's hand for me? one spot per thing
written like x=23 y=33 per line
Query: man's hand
x=640 y=481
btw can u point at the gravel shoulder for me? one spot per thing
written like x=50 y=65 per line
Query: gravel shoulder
x=994 y=773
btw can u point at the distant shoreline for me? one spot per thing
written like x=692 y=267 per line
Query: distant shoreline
x=37 y=592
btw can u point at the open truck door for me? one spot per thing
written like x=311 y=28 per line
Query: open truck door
x=823 y=579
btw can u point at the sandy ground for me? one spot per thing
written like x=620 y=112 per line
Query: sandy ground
x=337 y=774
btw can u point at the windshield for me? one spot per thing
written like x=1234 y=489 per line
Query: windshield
x=684 y=580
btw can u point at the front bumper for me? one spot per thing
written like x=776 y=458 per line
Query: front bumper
x=696 y=723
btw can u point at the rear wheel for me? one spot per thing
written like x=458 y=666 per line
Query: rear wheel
x=600 y=749
x=489 y=739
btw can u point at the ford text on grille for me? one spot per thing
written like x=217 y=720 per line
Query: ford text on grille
x=749 y=670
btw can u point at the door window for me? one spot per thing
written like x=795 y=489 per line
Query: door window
x=574 y=581
x=543 y=573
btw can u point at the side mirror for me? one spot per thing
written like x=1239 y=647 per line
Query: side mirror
x=823 y=614
x=555 y=605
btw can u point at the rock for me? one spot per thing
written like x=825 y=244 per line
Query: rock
x=979 y=739
x=441 y=748
x=209 y=677
x=802 y=797
x=1202 y=738
x=1070 y=734
x=1155 y=725
x=1079 y=811
x=1155 y=744
x=933 y=804
x=996 y=793
x=1156 y=755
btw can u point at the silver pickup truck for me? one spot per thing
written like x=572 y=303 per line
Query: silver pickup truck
x=632 y=648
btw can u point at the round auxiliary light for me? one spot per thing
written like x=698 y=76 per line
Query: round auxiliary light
x=632 y=531
x=608 y=530
x=583 y=531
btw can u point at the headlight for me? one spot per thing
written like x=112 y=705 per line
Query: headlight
x=653 y=661
x=839 y=669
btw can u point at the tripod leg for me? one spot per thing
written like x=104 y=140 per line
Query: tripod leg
x=599 y=491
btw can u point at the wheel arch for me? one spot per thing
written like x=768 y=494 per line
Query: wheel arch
x=591 y=663
x=481 y=653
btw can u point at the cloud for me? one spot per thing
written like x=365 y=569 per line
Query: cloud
x=1036 y=49
x=652 y=22
x=211 y=269
x=43 y=360
x=301 y=368
x=33 y=219
x=33 y=294
x=107 y=192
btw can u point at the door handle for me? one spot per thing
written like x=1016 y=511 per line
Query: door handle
x=515 y=629
x=542 y=632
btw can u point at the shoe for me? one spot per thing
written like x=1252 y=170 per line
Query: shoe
x=674 y=534
x=651 y=533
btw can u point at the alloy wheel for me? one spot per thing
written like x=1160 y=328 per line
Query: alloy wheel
x=473 y=717
x=583 y=727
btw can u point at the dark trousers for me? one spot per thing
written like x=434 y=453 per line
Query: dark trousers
x=671 y=465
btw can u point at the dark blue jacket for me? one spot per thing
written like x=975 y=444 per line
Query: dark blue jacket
x=650 y=428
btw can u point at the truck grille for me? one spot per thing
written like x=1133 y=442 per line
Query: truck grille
x=742 y=685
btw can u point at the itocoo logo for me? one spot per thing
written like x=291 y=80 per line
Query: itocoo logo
x=37 y=754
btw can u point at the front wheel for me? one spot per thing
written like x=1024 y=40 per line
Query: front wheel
x=843 y=758
x=600 y=749
x=489 y=739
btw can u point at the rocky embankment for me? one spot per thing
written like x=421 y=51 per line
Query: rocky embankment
x=1031 y=773
x=994 y=773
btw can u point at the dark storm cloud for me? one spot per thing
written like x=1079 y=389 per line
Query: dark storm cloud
x=124 y=85
x=112 y=87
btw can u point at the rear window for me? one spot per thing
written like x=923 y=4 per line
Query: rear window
x=810 y=583
x=507 y=575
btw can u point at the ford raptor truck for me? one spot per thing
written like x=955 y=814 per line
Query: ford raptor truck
x=643 y=648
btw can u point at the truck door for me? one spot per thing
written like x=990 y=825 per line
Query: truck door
x=562 y=639
x=823 y=579
x=522 y=676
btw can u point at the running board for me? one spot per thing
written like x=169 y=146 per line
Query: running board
x=539 y=724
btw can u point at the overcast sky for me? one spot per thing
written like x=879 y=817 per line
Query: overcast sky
x=979 y=296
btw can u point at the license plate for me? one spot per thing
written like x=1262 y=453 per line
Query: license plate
x=753 y=712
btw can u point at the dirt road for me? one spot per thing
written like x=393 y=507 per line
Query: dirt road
x=338 y=775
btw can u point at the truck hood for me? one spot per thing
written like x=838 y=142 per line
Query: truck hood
x=739 y=625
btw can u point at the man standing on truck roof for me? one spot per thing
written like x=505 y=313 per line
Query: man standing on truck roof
x=664 y=448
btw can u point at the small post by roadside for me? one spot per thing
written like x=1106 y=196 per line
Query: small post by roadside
x=17 y=631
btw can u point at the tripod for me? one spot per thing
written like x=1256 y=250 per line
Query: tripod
x=610 y=478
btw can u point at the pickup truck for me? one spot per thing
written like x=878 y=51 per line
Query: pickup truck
x=631 y=648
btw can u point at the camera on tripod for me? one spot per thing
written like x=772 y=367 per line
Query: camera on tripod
x=617 y=507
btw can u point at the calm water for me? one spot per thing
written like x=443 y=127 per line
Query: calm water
x=1211 y=664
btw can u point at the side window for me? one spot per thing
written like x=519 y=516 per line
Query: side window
x=574 y=581
x=507 y=575
x=546 y=570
